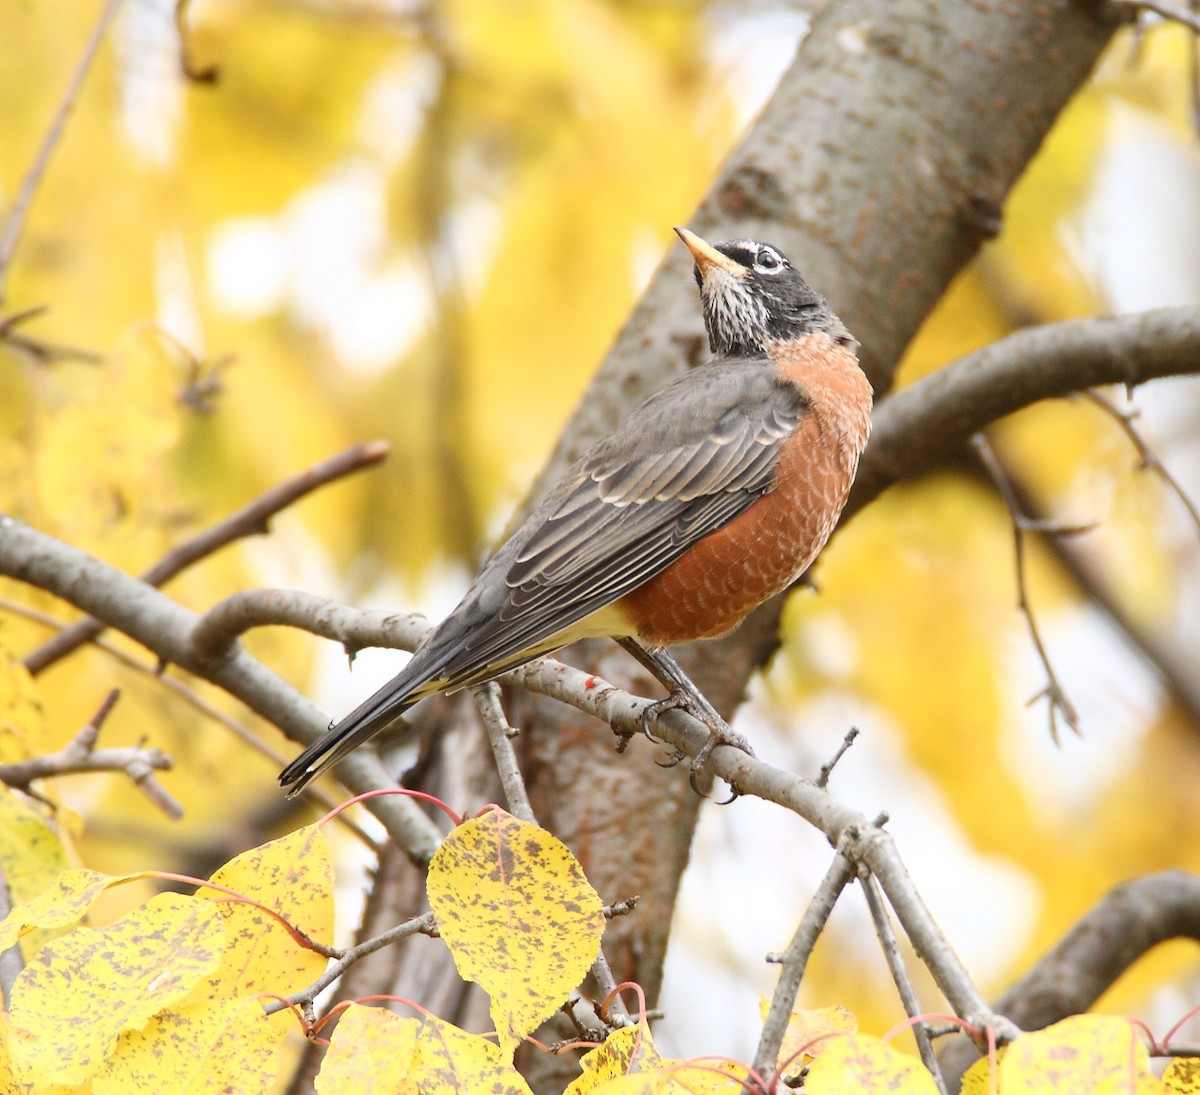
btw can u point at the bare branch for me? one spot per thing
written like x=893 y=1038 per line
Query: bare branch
x=828 y=767
x=41 y=351
x=81 y=755
x=15 y=224
x=190 y=696
x=164 y=627
x=923 y=425
x=1126 y=923
x=1057 y=700
x=795 y=961
x=251 y=520
x=500 y=735
x=1148 y=459
x=218 y=629
x=904 y=985
x=425 y=924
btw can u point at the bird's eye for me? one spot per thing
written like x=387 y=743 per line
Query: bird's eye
x=768 y=259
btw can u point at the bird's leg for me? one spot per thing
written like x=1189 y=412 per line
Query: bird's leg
x=683 y=694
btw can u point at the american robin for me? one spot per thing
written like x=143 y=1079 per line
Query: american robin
x=713 y=495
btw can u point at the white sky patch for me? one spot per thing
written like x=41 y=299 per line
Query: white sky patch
x=175 y=294
x=1141 y=224
x=751 y=49
x=323 y=258
x=645 y=254
x=248 y=265
x=754 y=868
x=151 y=88
x=1117 y=699
x=396 y=105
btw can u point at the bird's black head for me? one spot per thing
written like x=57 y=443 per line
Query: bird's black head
x=751 y=296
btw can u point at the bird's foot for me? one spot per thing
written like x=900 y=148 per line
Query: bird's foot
x=684 y=695
x=719 y=732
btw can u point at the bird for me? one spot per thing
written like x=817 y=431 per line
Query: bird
x=714 y=494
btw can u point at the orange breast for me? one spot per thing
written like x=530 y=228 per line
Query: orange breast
x=712 y=588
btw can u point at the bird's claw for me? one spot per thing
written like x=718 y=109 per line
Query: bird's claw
x=719 y=733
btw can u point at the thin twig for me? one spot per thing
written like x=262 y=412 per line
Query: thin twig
x=1147 y=458
x=500 y=737
x=795 y=962
x=895 y=962
x=1058 y=702
x=426 y=924
x=251 y=520
x=40 y=350
x=15 y=224
x=828 y=767
x=191 y=697
x=81 y=755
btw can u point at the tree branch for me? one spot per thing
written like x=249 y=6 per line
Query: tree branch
x=164 y=627
x=15 y=224
x=1126 y=923
x=920 y=427
x=253 y=519
x=81 y=755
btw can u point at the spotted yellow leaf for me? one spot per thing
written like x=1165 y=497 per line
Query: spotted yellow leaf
x=1182 y=1076
x=628 y=1062
x=1083 y=1054
x=518 y=915
x=856 y=1064
x=31 y=855
x=628 y=1051
x=372 y=1050
x=808 y=1032
x=206 y=1048
x=293 y=876
x=82 y=991
x=66 y=901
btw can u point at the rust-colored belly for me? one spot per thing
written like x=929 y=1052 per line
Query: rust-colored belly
x=716 y=584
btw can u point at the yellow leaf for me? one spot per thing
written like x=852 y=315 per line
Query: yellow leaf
x=676 y=1078
x=450 y=1060
x=1085 y=1054
x=1182 y=1076
x=31 y=857
x=207 y=1048
x=372 y=1050
x=9 y=1084
x=625 y=1052
x=808 y=1033
x=65 y=902
x=80 y=992
x=293 y=876
x=518 y=915
x=856 y=1064
x=628 y=1062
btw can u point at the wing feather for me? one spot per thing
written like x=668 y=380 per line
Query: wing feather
x=627 y=511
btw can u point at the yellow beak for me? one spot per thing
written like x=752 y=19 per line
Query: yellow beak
x=707 y=256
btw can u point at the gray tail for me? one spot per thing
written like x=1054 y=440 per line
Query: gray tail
x=364 y=722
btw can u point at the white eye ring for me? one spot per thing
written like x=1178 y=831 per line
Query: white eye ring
x=769 y=260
